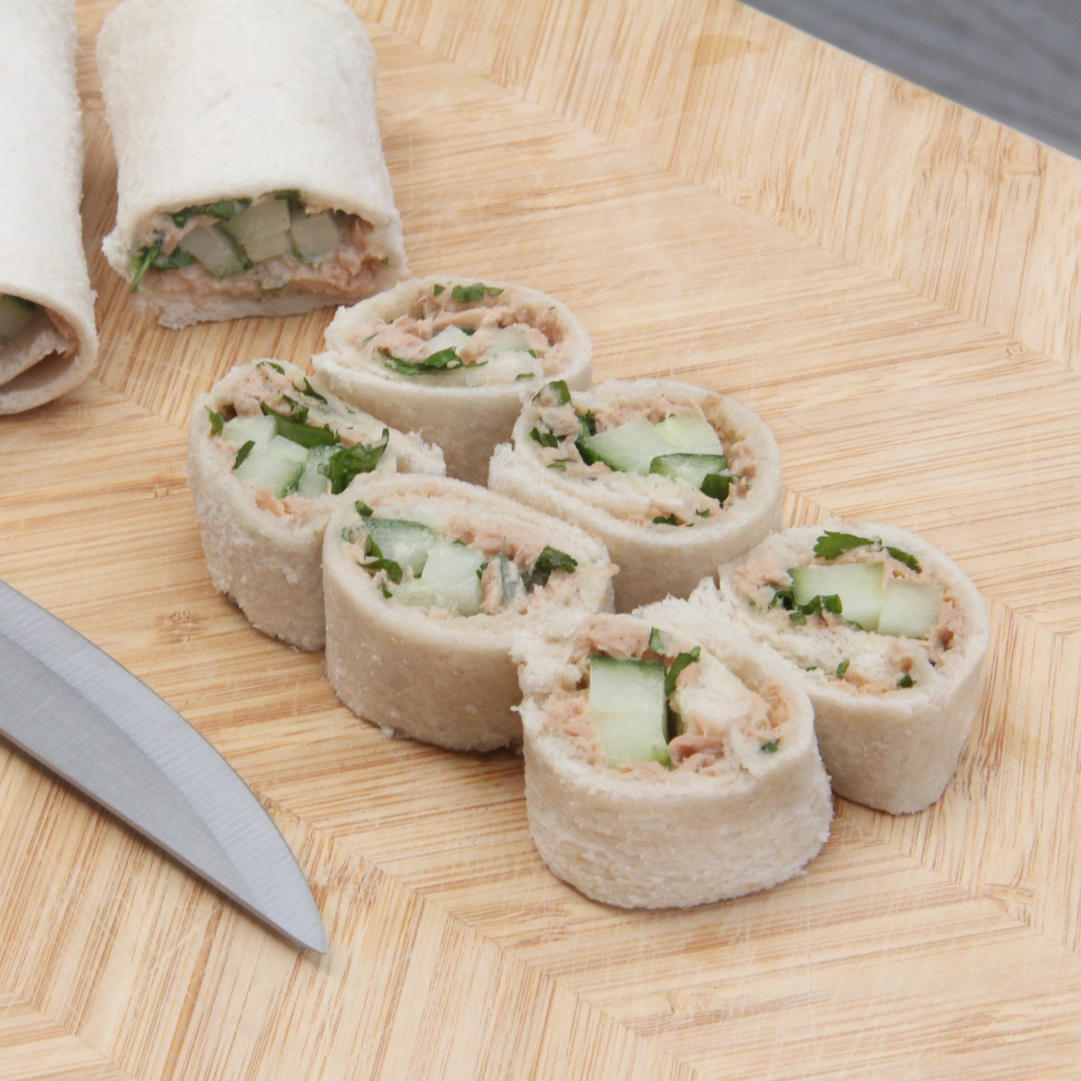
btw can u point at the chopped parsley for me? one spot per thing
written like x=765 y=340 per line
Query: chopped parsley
x=542 y=435
x=815 y=606
x=906 y=558
x=842 y=668
x=176 y=259
x=307 y=435
x=905 y=681
x=589 y=422
x=559 y=463
x=437 y=290
x=681 y=662
x=470 y=294
x=312 y=392
x=550 y=559
x=349 y=462
x=300 y=412
x=243 y=453
x=217 y=421
x=771 y=747
x=831 y=544
x=446 y=360
x=715 y=486
x=559 y=388
x=223 y=209
x=363 y=509
x=273 y=364
x=670 y=520
x=523 y=375
x=142 y=261
x=377 y=563
x=702 y=513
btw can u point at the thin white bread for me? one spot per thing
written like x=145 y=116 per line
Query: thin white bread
x=443 y=678
x=655 y=560
x=41 y=164
x=891 y=747
x=270 y=563
x=466 y=421
x=672 y=838
x=231 y=99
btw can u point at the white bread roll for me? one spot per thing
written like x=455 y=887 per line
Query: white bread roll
x=468 y=408
x=655 y=560
x=266 y=552
x=427 y=671
x=886 y=744
x=41 y=247
x=212 y=100
x=743 y=817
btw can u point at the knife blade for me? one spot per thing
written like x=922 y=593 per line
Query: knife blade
x=72 y=707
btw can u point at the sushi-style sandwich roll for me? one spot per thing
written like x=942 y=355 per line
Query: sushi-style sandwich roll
x=886 y=635
x=426 y=583
x=48 y=343
x=251 y=176
x=672 y=477
x=269 y=458
x=668 y=762
x=450 y=358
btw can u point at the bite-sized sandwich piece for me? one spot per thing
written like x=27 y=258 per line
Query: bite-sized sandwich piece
x=668 y=762
x=48 y=343
x=672 y=477
x=269 y=458
x=451 y=359
x=251 y=176
x=887 y=636
x=426 y=583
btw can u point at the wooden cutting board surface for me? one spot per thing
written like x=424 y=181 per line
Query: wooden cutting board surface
x=892 y=283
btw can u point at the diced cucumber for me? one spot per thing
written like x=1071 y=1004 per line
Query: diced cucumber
x=910 y=608
x=276 y=465
x=15 y=316
x=689 y=433
x=629 y=709
x=630 y=448
x=239 y=430
x=692 y=468
x=447 y=338
x=406 y=543
x=513 y=586
x=450 y=580
x=313 y=483
x=507 y=340
x=262 y=230
x=859 y=585
x=216 y=250
x=314 y=235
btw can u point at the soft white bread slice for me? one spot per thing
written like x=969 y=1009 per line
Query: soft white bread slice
x=424 y=669
x=891 y=711
x=744 y=812
x=41 y=249
x=656 y=558
x=466 y=408
x=265 y=551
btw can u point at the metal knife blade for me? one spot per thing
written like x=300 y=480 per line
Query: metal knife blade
x=88 y=719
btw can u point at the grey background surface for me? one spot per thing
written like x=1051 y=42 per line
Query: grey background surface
x=1018 y=61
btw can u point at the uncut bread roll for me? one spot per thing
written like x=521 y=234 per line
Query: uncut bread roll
x=673 y=478
x=251 y=176
x=735 y=801
x=893 y=704
x=426 y=582
x=301 y=452
x=451 y=358
x=48 y=343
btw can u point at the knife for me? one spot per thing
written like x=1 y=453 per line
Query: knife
x=85 y=717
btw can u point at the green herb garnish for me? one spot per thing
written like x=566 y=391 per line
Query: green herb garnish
x=470 y=294
x=681 y=662
x=176 y=259
x=243 y=453
x=702 y=513
x=842 y=668
x=771 y=747
x=559 y=463
x=446 y=360
x=312 y=392
x=715 y=486
x=905 y=681
x=350 y=462
x=523 y=375
x=437 y=290
x=142 y=261
x=307 y=435
x=300 y=412
x=589 y=422
x=670 y=520
x=906 y=558
x=830 y=545
x=378 y=563
x=550 y=559
x=217 y=421
x=816 y=605
x=273 y=364
x=542 y=435
x=559 y=388
x=363 y=509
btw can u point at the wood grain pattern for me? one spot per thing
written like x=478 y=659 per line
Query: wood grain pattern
x=890 y=282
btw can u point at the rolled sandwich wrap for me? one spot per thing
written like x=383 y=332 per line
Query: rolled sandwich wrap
x=426 y=583
x=451 y=358
x=672 y=477
x=887 y=636
x=48 y=343
x=269 y=458
x=668 y=762
x=251 y=176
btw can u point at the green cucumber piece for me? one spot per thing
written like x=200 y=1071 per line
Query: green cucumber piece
x=508 y=340
x=405 y=543
x=449 y=580
x=314 y=235
x=277 y=465
x=859 y=585
x=216 y=250
x=630 y=448
x=313 y=481
x=262 y=230
x=448 y=338
x=239 y=430
x=629 y=709
x=692 y=468
x=15 y=316
x=689 y=433
x=909 y=608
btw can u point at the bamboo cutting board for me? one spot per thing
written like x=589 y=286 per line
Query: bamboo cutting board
x=892 y=283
